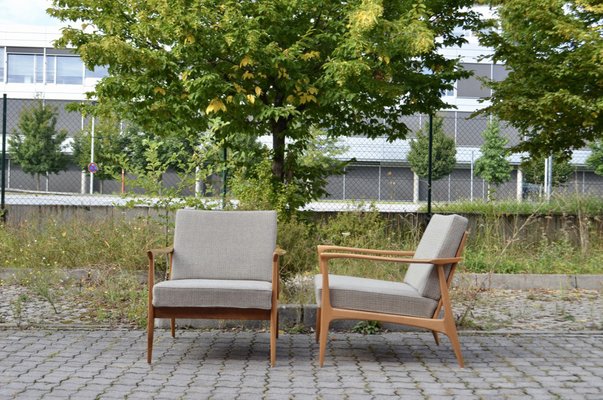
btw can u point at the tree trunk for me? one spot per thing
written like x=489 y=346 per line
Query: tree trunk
x=278 y=147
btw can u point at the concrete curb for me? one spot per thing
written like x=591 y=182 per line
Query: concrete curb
x=529 y=281
x=485 y=281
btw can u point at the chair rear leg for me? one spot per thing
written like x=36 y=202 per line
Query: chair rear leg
x=173 y=326
x=317 y=330
x=436 y=337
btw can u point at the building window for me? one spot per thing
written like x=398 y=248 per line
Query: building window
x=21 y=68
x=69 y=70
x=472 y=87
x=98 y=72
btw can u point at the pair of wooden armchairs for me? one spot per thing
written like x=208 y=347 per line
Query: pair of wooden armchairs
x=224 y=265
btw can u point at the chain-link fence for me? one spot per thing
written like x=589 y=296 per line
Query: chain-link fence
x=380 y=173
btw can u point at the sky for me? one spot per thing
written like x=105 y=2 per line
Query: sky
x=26 y=12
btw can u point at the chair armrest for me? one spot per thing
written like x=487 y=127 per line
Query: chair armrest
x=326 y=248
x=156 y=252
x=436 y=261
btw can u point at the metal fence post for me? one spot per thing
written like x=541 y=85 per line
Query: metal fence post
x=429 y=164
x=3 y=183
x=224 y=176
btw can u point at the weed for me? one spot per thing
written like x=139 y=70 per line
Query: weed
x=367 y=327
x=17 y=306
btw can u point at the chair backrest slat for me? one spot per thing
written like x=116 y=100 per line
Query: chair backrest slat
x=224 y=245
x=441 y=239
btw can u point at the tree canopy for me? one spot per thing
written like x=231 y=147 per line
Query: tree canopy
x=270 y=67
x=553 y=50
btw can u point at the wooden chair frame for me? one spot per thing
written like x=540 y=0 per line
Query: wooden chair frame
x=326 y=313
x=211 y=312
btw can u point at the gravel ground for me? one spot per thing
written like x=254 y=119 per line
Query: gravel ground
x=487 y=310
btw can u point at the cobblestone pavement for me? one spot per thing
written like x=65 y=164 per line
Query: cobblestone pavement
x=111 y=364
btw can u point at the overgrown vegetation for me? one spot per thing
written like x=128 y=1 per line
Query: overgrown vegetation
x=113 y=249
x=78 y=242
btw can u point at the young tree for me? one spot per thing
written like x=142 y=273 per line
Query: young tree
x=554 y=52
x=108 y=144
x=270 y=67
x=533 y=170
x=319 y=160
x=36 y=145
x=595 y=160
x=443 y=156
x=493 y=166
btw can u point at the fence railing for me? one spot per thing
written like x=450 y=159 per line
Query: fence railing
x=381 y=172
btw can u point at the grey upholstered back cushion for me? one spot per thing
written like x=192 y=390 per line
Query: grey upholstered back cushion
x=441 y=239
x=224 y=245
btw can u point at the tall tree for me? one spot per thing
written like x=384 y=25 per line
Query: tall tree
x=554 y=52
x=270 y=67
x=444 y=152
x=36 y=145
x=493 y=166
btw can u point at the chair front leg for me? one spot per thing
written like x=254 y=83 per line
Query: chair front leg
x=323 y=337
x=150 y=331
x=273 y=334
x=449 y=324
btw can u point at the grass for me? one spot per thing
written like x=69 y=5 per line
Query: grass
x=559 y=204
x=114 y=251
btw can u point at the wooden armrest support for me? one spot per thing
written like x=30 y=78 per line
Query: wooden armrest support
x=152 y=254
x=326 y=248
x=275 y=272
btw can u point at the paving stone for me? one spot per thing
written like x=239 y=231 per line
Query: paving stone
x=536 y=365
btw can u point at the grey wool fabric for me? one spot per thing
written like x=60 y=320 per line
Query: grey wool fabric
x=374 y=295
x=224 y=245
x=213 y=293
x=441 y=239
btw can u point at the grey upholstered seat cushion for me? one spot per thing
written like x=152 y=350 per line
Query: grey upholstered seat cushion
x=213 y=293
x=441 y=239
x=355 y=293
x=224 y=245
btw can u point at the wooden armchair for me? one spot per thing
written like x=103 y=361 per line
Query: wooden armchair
x=223 y=265
x=416 y=302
